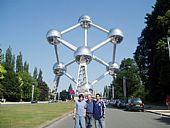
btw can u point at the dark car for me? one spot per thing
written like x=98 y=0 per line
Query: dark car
x=34 y=101
x=135 y=104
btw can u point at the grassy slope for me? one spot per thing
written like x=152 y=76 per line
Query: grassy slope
x=31 y=116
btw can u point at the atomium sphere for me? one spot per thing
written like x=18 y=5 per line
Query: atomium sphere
x=83 y=55
x=52 y=36
x=116 y=35
x=113 y=68
x=59 y=69
x=85 y=21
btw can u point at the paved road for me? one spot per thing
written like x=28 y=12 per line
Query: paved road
x=117 y=118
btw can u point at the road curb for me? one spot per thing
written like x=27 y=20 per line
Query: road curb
x=158 y=113
x=47 y=124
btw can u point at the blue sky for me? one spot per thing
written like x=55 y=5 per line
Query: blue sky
x=24 y=24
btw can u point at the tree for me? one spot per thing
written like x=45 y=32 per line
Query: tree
x=128 y=69
x=25 y=81
x=1 y=56
x=43 y=90
x=63 y=95
x=2 y=71
x=8 y=64
x=35 y=73
x=26 y=67
x=151 y=54
x=19 y=63
x=40 y=77
x=106 y=92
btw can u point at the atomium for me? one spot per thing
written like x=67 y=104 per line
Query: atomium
x=85 y=21
x=59 y=69
x=52 y=36
x=83 y=55
x=112 y=68
x=116 y=35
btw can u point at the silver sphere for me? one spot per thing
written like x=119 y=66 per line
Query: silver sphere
x=113 y=68
x=52 y=36
x=85 y=21
x=59 y=69
x=83 y=55
x=116 y=35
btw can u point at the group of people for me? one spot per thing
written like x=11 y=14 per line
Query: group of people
x=87 y=111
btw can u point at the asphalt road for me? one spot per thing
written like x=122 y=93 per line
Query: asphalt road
x=117 y=118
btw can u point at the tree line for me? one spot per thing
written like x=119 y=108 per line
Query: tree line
x=16 y=81
x=148 y=75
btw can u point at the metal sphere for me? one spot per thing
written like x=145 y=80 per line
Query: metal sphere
x=113 y=68
x=116 y=35
x=83 y=55
x=52 y=36
x=85 y=21
x=59 y=69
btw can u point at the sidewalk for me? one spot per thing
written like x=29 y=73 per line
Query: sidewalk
x=160 y=110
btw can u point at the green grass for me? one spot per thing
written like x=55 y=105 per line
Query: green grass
x=31 y=115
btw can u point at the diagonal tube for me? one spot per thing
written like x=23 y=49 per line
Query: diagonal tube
x=70 y=77
x=56 y=53
x=67 y=44
x=100 y=28
x=70 y=28
x=99 y=78
x=100 y=45
x=69 y=63
x=100 y=61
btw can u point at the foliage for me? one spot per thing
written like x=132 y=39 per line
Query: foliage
x=16 y=85
x=152 y=55
x=2 y=71
x=129 y=70
x=63 y=95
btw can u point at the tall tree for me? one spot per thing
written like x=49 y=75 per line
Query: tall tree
x=8 y=60
x=35 y=73
x=26 y=67
x=43 y=90
x=151 y=54
x=0 y=56
x=70 y=88
x=2 y=72
x=40 y=77
x=19 y=63
x=128 y=69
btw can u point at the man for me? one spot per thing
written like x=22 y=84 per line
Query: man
x=89 y=111
x=168 y=102
x=99 y=112
x=79 y=112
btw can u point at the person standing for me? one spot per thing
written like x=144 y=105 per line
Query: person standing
x=89 y=111
x=79 y=112
x=168 y=102
x=99 y=112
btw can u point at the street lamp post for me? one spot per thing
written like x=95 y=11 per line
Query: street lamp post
x=169 y=46
x=32 y=99
x=124 y=87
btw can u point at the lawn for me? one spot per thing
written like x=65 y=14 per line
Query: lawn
x=31 y=115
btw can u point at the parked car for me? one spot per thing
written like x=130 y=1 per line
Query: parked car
x=34 y=101
x=121 y=103
x=135 y=104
